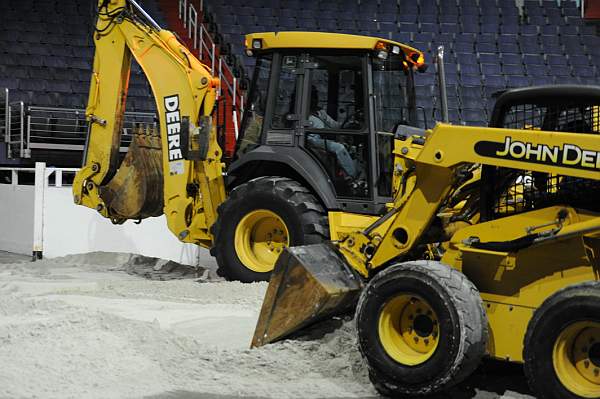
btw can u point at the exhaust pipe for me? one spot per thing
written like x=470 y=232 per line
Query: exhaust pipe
x=441 y=73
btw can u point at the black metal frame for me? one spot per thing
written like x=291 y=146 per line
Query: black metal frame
x=567 y=108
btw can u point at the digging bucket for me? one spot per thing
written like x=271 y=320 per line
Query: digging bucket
x=136 y=190
x=309 y=283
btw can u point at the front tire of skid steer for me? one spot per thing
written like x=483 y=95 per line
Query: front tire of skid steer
x=421 y=328
x=562 y=344
x=258 y=220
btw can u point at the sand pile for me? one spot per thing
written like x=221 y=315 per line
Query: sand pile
x=82 y=327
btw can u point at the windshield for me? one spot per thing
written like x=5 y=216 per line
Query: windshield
x=394 y=98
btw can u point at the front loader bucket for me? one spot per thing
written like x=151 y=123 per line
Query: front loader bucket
x=309 y=283
x=136 y=190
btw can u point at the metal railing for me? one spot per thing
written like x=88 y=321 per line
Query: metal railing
x=207 y=52
x=66 y=129
x=17 y=134
x=31 y=128
x=54 y=177
x=4 y=115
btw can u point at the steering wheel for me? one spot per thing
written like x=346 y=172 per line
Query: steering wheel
x=354 y=121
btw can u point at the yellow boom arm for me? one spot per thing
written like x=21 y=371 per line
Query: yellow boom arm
x=185 y=95
x=437 y=165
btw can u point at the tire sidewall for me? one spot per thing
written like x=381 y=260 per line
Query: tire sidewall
x=442 y=361
x=545 y=328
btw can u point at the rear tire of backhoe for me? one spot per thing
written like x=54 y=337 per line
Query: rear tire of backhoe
x=421 y=328
x=258 y=220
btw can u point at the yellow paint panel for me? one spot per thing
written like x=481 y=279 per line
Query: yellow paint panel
x=342 y=223
x=508 y=325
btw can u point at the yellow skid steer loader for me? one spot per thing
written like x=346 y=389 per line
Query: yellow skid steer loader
x=490 y=247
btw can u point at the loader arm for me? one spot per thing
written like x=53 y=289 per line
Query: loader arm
x=187 y=173
x=437 y=170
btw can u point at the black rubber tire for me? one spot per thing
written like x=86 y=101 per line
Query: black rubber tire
x=301 y=212
x=462 y=321
x=578 y=302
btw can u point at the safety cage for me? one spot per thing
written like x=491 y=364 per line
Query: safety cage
x=508 y=191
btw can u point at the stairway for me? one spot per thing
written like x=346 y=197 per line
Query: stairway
x=225 y=118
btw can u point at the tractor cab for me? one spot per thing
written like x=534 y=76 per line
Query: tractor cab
x=326 y=106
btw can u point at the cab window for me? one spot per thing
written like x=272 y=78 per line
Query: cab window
x=252 y=124
x=336 y=133
x=394 y=105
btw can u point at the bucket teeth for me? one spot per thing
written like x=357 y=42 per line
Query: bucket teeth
x=309 y=284
x=136 y=190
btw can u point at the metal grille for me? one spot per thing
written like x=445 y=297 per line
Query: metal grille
x=518 y=190
x=575 y=118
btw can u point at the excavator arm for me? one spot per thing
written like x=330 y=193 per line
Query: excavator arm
x=177 y=170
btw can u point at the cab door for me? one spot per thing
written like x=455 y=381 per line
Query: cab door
x=337 y=132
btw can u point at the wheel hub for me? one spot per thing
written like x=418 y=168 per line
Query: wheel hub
x=576 y=358
x=594 y=354
x=260 y=237
x=423 y=325
x=408 y=330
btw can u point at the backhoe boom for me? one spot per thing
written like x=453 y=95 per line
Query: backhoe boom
x=183 y=167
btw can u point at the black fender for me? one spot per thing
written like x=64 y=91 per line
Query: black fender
x=295 y=163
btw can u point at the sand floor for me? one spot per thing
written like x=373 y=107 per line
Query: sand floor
x=81 y=327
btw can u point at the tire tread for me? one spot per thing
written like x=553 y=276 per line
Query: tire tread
x=470 y=310
x=315 y=224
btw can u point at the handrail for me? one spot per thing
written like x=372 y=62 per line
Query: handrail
x=49 y=171
x=204 y=43
x=36 y=127
x=193 y=25
x=183 y=11
x=15 y=130
x=6 y=116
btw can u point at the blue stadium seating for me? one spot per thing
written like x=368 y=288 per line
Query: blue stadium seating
x=491 y=44
x=46 y=53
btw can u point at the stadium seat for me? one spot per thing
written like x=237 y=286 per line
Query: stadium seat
x=489 y=45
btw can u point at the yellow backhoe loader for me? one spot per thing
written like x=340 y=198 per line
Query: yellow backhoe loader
x=490 y=247
x=313 y=157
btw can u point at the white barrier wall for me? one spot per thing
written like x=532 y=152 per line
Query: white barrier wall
x=73 y=229
x=16 y=218
x=65 y=228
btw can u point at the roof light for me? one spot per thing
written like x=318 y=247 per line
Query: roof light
x=418 y=59
x=256 y=44
x=380 y=46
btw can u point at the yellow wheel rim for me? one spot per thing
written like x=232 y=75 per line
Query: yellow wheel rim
x=576 y=359
x=260 y=237
x=408 y=329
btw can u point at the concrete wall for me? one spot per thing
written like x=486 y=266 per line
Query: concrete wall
x=16 y=218
x=73 y=229
x=62 y=228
